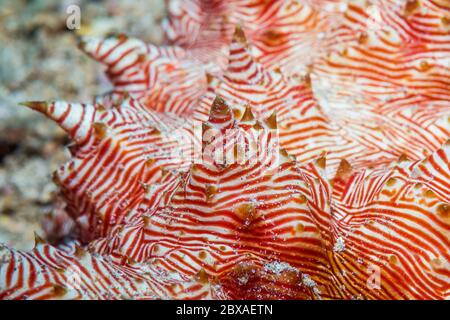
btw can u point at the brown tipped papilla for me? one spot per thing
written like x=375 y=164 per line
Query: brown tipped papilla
x=80 y=252
x=425 y=66
x=411 y=6
x=246 y=211
x=248 y=115
x=307 y=79
x=209 y=78
x=38 y=240
x=150 y=162
x=219 y=106
x=272 y=122
x=258 y=126
x=59 y=291
x=363 y=37
x=56 y=179
x=393 y=259
x=202 y=276
x=122 y=37
x=141 y=58
x=41 y=106
x=156 y=132
x=99 y=107
x=403 y=158
x=443 y=210
x=274 y=36
x=322 y=162
x=239 y=35
x=445 y=21
x=100 y=130
x=391 y=181
x=301 y=198
x=237 y=113
x=429 y=194
x=206 y=127
x=146 y=221
x=447 y=143
x=210 y=191
x=81 y=43
x=286 y=156
x=344 y=170
x=284 y=153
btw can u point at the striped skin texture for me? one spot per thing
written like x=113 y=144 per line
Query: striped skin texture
x=119 y=152
x=155 y=238
x=298 y=223
x=73 y=273
x=389 y=65
x=168 y=79
x=229 y=223
x=173 y=78
x=369 y=137
x=379 y=85
x=305 y=130
x=281 y=31
x=292 y=233
x=395 y=221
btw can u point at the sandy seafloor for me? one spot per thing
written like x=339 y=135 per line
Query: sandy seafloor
x=39 y=60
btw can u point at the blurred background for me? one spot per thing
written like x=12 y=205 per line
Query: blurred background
x=39 y=60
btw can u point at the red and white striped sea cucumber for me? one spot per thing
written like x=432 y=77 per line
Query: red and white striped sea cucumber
x=348 y=106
